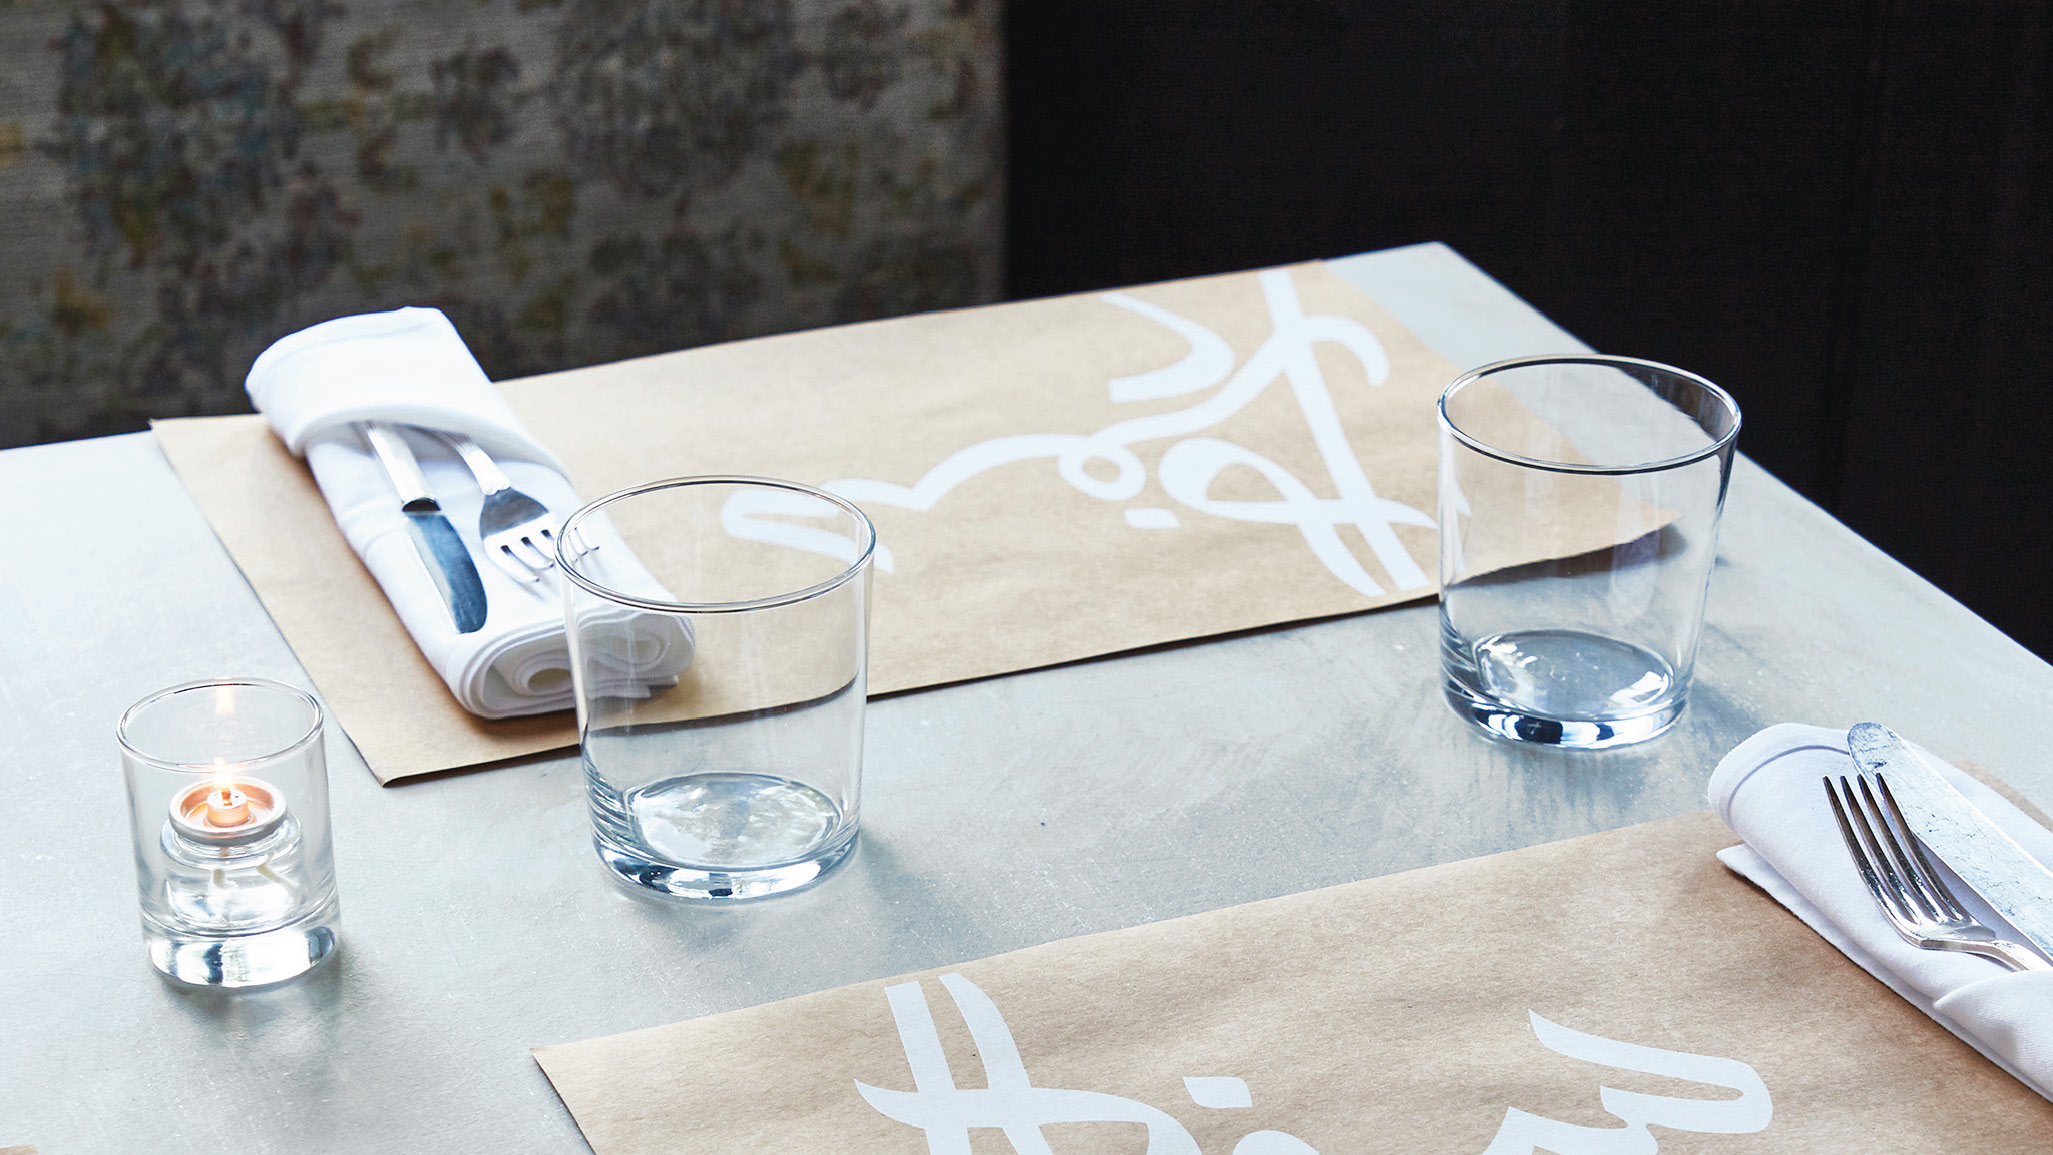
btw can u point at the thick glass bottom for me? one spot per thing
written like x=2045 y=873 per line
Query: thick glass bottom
x=721 y=836
x=244 y=960
x=1500 y=721
x=700 y=884
x=1563 y=688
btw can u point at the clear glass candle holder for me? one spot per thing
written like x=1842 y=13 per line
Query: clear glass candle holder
x=228 y=806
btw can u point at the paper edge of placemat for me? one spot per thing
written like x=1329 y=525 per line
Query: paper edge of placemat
x=1324 y=263
x=1698 y=825
x=1703 y=817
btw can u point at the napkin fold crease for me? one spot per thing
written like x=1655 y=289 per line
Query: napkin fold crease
x=1769 y=791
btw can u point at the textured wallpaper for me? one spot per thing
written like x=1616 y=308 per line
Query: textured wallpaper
x=573 y=181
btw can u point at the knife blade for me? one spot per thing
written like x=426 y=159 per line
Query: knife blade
x=2013 y=883
x=442 y=553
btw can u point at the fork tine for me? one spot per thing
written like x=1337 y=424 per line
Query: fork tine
x=1912 y=880
x=530 y=554
x=515 y=530
x=1935 y=883
x=543 y=541
x=1861 y=861
x=513 y=566
x=1884 y=868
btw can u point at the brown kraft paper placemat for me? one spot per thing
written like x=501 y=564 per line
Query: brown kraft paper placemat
x=1051 y=480
x=1557 y=998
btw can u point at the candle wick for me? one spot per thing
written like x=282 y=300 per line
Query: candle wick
x=226 y=807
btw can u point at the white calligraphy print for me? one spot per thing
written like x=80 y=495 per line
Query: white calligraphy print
x=1010 y=1102
x=1522 y=1133
x=1191 y=463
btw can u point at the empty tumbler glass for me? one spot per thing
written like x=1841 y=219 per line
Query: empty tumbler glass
x=719 y=631
x=1579 y=506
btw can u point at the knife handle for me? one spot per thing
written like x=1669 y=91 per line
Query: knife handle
x=404 y=470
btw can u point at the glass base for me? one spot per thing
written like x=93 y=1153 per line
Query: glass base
x=718 y=836
x=1560 y=687
x=244 y=960
x=670 y=880
x=1508 y=722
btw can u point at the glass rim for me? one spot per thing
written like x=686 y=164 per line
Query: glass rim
x=564 y=561
x=1718 y=445
x=313 y=732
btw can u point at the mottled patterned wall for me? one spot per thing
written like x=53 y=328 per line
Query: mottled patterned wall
x=183 y=181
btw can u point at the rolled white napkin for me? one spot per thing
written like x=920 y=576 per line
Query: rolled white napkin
x=410 y=367
x=1768 y=791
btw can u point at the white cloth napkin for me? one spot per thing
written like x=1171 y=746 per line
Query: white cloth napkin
x=1768 y=790
x=410 y=367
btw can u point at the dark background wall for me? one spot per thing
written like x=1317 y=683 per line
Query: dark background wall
x=1841 y=210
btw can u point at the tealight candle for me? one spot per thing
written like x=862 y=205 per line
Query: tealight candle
x=237 y=885
x=227 y=810
x=226 y=806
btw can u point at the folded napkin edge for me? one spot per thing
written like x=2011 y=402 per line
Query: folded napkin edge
x=505 y=443
x=1760 y=751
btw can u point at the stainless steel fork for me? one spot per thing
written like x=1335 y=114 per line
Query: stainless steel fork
x=518 y=532
x=1913 y=895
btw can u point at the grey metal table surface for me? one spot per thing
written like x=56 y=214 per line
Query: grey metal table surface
x=997 y=814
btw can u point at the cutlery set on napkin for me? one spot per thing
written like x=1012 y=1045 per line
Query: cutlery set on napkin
x=1988 y=856
x=427 y=470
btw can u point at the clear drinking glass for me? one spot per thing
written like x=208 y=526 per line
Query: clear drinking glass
x=719 y=640
x=1579 y=506
x=228 y=804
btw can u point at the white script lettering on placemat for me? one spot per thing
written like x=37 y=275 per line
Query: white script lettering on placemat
x=1190 y=466
x=1010 y=1102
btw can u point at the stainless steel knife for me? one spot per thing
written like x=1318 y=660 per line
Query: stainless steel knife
x=448 y=563
x=2013 y=883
